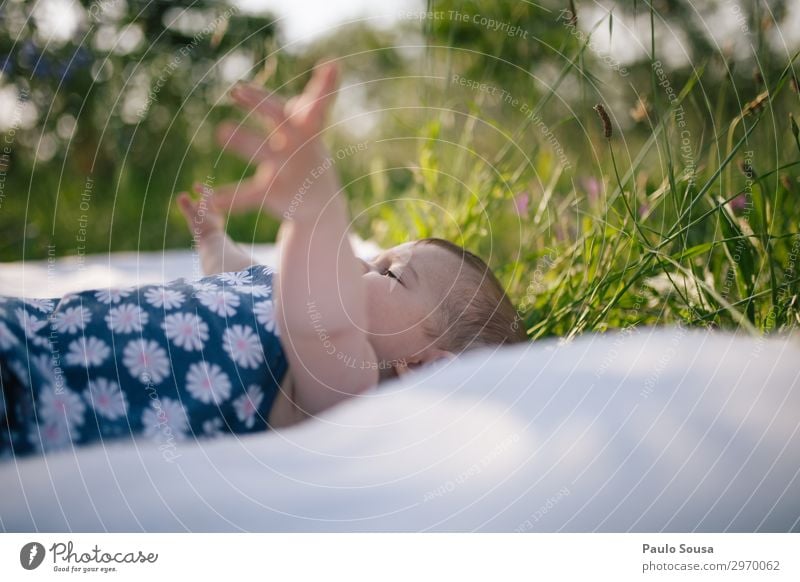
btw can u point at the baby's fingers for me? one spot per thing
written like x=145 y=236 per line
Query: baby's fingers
x=315 y=100
x=240 y=196
x=187 y=205
x=188 y=208
x=250 y=145
x=202 y=216
x=253 y=99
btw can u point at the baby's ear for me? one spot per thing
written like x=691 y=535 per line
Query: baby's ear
x=434 y=355
x=402 y=367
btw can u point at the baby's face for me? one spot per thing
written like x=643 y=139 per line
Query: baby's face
x=405 y=285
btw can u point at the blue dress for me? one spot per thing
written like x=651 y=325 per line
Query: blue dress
x=171 y=362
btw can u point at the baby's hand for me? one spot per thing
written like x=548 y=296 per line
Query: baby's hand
x=294 y=179
x=202 y=215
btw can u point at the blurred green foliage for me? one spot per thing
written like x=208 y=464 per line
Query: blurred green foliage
x=110 y=122
x=478 y=125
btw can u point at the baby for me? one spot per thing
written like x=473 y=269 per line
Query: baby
x=246 y=348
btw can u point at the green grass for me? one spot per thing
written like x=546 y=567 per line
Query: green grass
x=647 y=245
x=654 y=248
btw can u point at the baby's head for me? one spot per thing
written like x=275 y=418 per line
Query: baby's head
x=430 y=299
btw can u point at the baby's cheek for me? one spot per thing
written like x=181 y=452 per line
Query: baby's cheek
x=374 y=304
x=387 y=312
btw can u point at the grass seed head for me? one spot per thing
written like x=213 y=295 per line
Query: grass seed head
x=746 y=167
x=601 y=111
x=756 y=104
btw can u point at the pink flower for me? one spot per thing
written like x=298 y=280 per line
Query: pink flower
x=521 y=202
x=739 y=203
x=592 y=187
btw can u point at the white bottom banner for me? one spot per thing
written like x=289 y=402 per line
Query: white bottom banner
x=390 y=556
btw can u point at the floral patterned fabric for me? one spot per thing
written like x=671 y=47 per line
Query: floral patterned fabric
x=171 y=362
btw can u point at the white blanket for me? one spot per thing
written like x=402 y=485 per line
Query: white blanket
x=655 y=430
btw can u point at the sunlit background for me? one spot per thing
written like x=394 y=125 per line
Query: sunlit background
x=476 y=123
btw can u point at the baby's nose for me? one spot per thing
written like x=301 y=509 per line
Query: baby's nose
x=364 y=264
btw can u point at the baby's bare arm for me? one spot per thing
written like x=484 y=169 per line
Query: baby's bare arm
x=218 y=252
x=321 y=302
x=320 y=299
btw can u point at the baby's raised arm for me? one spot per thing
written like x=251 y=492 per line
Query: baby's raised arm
x=218 y=252
x=320 y=295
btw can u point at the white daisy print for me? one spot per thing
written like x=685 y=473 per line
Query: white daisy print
x=51 y=437
x=126 y=318
x=22 y=372
x=208 y=383
x=212 y=428
x=62 y=407
x=265 y=314
x=247 y=404
x=109 y=296
x=67 y=299
x=7 y=337
x=39 y=340
x=45 y=305
x=267 y=270
x=87 y=352
x=106 y=398
x=71 y=319
x=146 y=361
x=255 y=290
x=243 y=346
x=223 y=303
x=29 y=322
x=186 y=330
x=44 y=363
x=236 y=278
x=165 y=420
x=161 y=297
x=204 y=286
